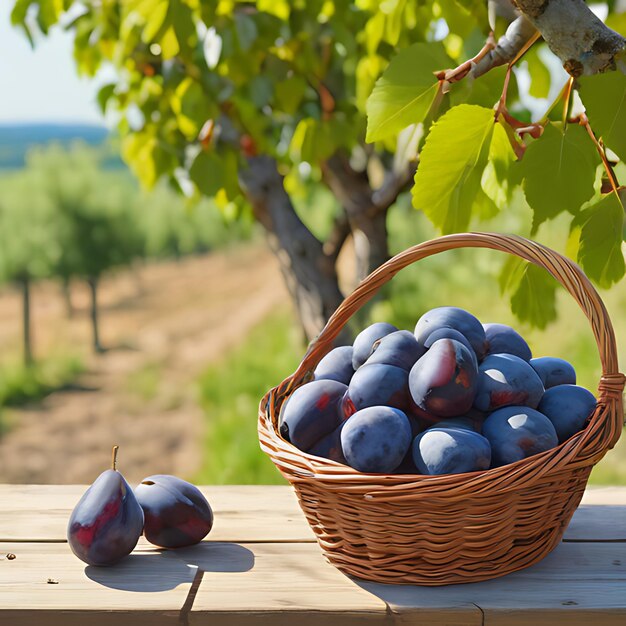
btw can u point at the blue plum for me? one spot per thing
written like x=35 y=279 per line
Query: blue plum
x=507 y=380
x=464 y=423
x=450 y=451
x=449 y=333
x=336 y=365
x=443 y=381
x=504 y=339
x=568 y=407
x=175 y=511
x=364 y=342
x=456 y=318
x=553 y=371
x=376 y=439
x=399 y=349
x=377 y=385
x=517 y=432
x=312 y=412
x=107 y=522
x=329 y=447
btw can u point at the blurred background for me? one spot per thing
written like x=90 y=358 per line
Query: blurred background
x=156 y=319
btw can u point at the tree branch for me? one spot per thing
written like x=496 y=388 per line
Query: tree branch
x=583 y=42
x=517 y=35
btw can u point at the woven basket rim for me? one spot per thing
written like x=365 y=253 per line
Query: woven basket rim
x=582 y=449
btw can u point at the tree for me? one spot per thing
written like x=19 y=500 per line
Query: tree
x=28 y=246
x=94 y=217
x=246 y=100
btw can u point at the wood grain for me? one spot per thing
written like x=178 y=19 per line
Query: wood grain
x=255 y=513
x=242 y=513
x=578 y=583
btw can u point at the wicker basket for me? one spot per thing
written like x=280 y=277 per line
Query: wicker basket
x=437 y=530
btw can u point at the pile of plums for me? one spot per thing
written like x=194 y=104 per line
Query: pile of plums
x=455 y=396
x=108 y=520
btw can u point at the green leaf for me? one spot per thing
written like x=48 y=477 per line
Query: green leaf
x=484 y=90
x=604 y=97
x=532 y=291
x=540 y=78
x=207 y=173
x=559 y=170
x=404 y=93
x=448 y=178
x=289 y=93
x=104 y=95
x=495 y=181
x=600 y=245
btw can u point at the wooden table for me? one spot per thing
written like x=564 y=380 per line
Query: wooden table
x=261 y=565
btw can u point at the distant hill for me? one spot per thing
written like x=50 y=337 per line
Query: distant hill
x=17 y=139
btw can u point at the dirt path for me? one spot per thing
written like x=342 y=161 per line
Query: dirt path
x=140 y=394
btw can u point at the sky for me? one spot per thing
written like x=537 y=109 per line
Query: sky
x=41 y=85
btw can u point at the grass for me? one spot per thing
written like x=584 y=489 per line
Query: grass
x=144 y=382
x=230 y=392
x=21 y=385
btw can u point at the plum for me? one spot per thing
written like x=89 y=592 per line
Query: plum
x=329 y=447
x=517 y=432
x=336 y=365
x=450 y=451
x=312 y=412
x=504 y=339
x=568 y=407
x=507 y=380
x=176 y=513
x=399 y=349
x=456 y=318
x=376 y=439
x=449 y=333
x=107 y=522
x=464 y=423
x=443 y=381
x=553 y=371
x=376 y=385
x=365 y=340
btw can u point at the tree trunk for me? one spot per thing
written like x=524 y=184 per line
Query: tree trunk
x=66 y=290
x=310 y=274
x=370 y=242
x=93 y=288
x=26 y=325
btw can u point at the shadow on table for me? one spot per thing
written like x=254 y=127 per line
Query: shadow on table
x=160 y=570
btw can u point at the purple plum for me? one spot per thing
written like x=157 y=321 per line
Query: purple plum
x=336 y=365
x=517 y=432
x=443 y=381
x=553 y=371
x=504 y=339
x=364 y=342
x=312 y=412
x=399 y=349
x=107 y=522
x=568 y=407
x=176 y=513
x=456 y=318
x=507 y=380
x=376 y=439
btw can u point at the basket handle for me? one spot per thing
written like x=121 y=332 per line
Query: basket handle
x=566 y=272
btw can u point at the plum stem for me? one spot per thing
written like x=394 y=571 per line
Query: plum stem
x=114 y=458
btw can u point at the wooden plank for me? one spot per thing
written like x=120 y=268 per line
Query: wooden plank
x=597 y=523
x=576 y=584
x=47 y=580
x=242 y=513
x=255 y=513
x=267 y=578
